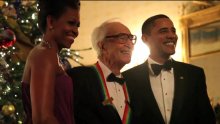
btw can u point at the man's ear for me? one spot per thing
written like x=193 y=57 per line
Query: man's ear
x=101 y=45
x=144 y=38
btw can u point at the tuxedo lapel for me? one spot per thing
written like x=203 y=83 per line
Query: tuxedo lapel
x=179 y=86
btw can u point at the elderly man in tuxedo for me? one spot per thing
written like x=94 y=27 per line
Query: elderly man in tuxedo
x=162 y=90
x=100 y=93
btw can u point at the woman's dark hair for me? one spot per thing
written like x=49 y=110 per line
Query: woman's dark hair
x=149 y=23
x=55 y=8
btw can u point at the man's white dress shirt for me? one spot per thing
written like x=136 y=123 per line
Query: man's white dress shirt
x=115 y=90
x=163 y=90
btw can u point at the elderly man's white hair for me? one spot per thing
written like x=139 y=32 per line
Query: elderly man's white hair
x=99 y=33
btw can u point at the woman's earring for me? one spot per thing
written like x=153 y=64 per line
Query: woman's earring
x=51 y=28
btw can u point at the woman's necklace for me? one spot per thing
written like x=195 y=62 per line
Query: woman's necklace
x=60 y=63
x=46 y=44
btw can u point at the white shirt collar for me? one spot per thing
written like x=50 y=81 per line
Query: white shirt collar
x=106 y=71
x=151 y=61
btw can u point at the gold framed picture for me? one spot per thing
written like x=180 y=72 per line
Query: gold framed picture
x=201 y=32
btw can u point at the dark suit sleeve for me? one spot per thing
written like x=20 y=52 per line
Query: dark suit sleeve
x=205 y=111
x=84 y=112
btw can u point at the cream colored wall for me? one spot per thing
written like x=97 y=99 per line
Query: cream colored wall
x=210 y=64
x=133 y=14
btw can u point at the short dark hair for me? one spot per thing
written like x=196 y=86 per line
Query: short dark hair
x=55 y=9
x=149 y=23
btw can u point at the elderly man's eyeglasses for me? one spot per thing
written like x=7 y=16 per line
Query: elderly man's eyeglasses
x=124 y=38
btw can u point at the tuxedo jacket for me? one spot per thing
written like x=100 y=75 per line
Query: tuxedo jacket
x=88 y=100
x=191 y=104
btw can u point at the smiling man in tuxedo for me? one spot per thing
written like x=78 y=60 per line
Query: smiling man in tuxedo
x=100 y=92
x=162 y=90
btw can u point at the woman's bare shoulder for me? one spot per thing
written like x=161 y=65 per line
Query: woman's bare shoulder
x=40 y=55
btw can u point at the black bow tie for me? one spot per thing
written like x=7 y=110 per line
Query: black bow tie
x=113 y=78
x=157 y=68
